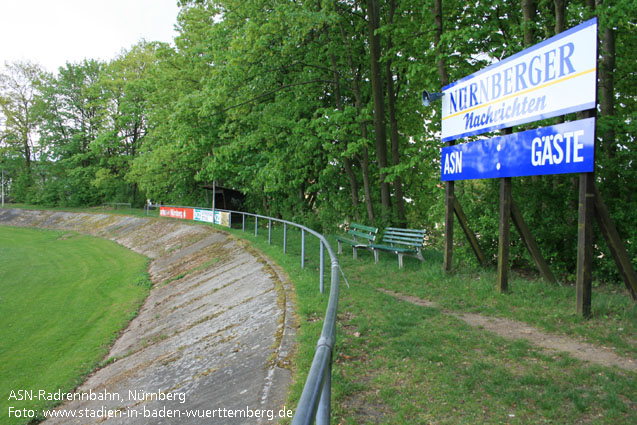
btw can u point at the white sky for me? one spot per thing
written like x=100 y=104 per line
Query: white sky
x=53 y=32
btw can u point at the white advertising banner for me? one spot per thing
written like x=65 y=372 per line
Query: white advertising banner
x=203 y=215
x=218 y=217
x=552 y=78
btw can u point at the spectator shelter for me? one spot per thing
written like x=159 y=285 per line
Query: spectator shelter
x=224 y=198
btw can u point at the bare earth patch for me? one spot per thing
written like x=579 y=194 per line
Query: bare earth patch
x=512 y=329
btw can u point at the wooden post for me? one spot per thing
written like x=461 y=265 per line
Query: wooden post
x=449 y=198
x=585 y=244
x=449 y=201
x=505 y=234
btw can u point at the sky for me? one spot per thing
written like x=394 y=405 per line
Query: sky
x=54 y=32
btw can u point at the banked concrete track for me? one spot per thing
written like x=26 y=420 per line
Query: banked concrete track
x=215 y=333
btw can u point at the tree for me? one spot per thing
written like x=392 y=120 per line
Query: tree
x=127 y=88
x=75 y=113
x=18 y=95
x=19 y=120
x=380 y=130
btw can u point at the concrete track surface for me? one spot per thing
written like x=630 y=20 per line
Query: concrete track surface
x=212 y=342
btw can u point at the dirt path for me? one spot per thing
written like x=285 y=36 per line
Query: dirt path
x=512 y=329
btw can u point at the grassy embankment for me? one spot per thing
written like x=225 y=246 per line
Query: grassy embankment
x=398 y=363
x=64 y=298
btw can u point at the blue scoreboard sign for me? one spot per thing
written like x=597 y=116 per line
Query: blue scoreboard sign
x=558 y=149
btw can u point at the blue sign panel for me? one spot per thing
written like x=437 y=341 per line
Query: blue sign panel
x=558 y=149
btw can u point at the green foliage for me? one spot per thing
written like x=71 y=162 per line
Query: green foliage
x=274 y=98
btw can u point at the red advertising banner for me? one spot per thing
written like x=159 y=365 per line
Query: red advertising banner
x=173 y=212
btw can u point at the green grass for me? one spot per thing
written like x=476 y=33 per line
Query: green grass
x=398 y=363
x=64 y=298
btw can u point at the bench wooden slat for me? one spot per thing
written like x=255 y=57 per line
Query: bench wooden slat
x=404 y=236
x=402 y=239
x=361 y=237
x=351 y=241
x=409 y=232
x=392 y=248
x=401 y=242
x=364 y=227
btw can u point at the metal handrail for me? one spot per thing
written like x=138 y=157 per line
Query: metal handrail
x=314 y=404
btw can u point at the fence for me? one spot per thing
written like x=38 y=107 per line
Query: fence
x=314 y=404
x=117 y=205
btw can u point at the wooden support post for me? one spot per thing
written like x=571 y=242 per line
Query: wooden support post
x=449 y=201
x=585 y=244
x=617 y=249
x=505 y=234
x=473 y=241
x=531 y=245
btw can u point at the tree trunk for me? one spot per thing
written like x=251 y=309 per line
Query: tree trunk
x=528 y=14
x=393 y=127
x=27 y=151
x=359 y=107
x=380 y=132
x=607 y=86
x=606 y=93
x=134 y=194
x=353 y=183
x=560 y=15
x=440 y=62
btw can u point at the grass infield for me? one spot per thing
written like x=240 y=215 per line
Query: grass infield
x=64 y=298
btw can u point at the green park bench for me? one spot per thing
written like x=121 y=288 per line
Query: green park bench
x=400 y=242
x=361 y=236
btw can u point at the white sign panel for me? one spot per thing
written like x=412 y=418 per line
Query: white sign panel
x=218 y=217
x=203 y=215
x=555 y=77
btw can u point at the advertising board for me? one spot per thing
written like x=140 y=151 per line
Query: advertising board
x=176 y=212
x=218 y=217
x=552 y=78
x=203 y=215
